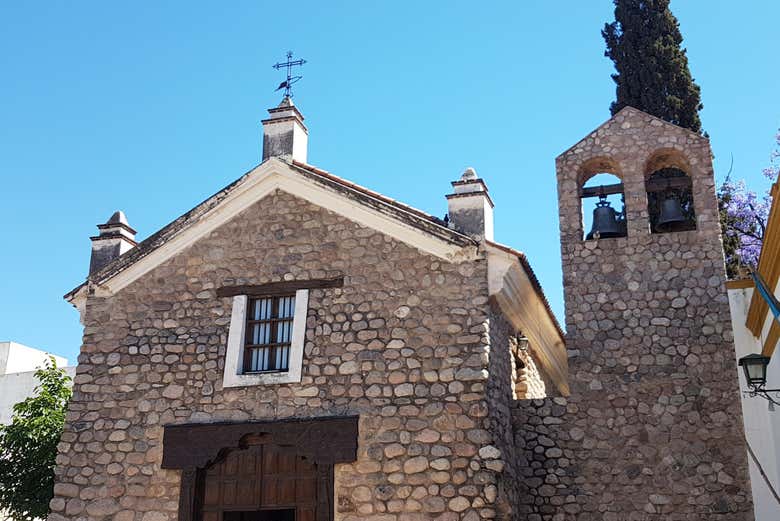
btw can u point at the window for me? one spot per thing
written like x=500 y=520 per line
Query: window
x=269 y=324
x=265 y=339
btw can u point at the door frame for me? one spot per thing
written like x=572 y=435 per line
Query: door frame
x=192 y=447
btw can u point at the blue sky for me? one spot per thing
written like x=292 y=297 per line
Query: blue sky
x=150 y=107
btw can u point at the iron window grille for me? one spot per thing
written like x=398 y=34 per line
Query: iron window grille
x=268 y=335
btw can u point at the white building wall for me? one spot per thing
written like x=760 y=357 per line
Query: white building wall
x=773 y=382
x=19 y=358
x=17 y=375
x=15 y=387
x=762 y=426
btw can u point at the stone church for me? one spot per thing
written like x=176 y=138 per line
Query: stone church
x=300 y=348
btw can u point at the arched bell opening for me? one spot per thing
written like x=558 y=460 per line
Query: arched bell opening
x=603 y=204
x=670 y=200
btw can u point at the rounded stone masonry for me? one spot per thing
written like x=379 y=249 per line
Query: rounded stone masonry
x=404 y=344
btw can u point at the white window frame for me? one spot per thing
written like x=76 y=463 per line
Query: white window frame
x=234 y=356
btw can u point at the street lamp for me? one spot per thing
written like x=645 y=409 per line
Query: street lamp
x=755 y=374
x=755 y=369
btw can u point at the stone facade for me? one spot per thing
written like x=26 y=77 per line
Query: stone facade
x=653 y=426
x=406 y=344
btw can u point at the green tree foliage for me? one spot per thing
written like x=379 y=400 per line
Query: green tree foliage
x=28 y=446
x=644 y=42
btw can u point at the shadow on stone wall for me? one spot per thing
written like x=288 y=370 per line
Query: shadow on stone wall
x=547 y=470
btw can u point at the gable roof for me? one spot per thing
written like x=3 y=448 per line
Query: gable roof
x=353 y=201
x=631 y=112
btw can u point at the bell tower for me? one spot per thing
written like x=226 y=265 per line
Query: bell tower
x=654 y=422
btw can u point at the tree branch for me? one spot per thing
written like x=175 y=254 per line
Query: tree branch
x=757 y=219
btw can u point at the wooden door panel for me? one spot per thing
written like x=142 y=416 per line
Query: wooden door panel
x=285 y=490
x=230 y=466
x=211 y=496
x=286 y=461
x=269 y=477
x=246 y=483
x=245 y=492
x=306 y=514
x=268 y=497
x=306 y=488
x=229 y=496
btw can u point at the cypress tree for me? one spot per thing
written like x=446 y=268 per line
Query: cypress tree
x=644 y=42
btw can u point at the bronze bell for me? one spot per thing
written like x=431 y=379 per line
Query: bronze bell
x=670 y=214
x=605 y=221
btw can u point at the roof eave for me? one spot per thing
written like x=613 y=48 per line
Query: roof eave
x=514 y=288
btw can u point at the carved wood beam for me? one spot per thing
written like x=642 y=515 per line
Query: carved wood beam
x=323 y=440
x=651 y=185
x=279 y=288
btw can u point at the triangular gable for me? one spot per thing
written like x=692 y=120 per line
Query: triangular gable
x=630 y=112
x=349 y=200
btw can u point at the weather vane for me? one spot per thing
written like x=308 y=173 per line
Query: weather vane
x=288 y=83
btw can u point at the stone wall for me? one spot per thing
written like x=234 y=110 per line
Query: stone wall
x=546 y=459
x=530 y=380
x=653 y=426
x=500 y=397
x=404 y=344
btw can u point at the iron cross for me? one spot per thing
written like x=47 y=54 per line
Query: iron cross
x=288 y=83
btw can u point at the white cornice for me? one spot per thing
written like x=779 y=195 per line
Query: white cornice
x=79 y=300
x=513 y=291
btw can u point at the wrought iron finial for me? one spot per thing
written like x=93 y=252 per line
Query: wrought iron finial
x=288 y=83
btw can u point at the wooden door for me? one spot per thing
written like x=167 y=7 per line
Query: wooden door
x=260 y=483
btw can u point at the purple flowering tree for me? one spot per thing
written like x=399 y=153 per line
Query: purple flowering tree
x=743 y=218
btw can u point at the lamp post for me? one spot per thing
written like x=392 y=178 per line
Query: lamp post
x=755 y=375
